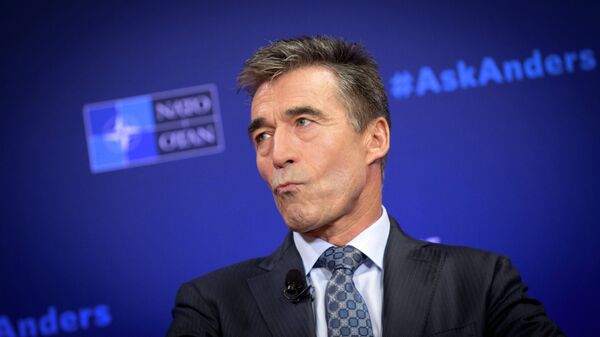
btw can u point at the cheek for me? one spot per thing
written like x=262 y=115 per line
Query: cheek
x=346 y=176
x=263 y=169
x=338 y=178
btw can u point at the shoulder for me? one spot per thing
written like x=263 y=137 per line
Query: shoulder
x=233 y=279
x=228 y=278
x=452 y=258
x=465 y=255
x=464 y=261
x=219 y=292
x=203 y=304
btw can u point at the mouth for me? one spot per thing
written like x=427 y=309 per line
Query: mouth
x=285 y=187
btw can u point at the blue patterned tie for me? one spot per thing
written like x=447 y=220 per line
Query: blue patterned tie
x=347 y=313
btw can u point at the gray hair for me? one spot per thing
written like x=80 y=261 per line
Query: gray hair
x=360 y=85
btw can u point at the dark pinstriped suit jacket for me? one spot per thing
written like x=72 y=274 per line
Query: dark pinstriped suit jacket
x=429 y=290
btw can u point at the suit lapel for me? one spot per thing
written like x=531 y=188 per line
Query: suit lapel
x=411 y=270
x=282 y=317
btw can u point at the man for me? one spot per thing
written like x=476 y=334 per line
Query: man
x=321 y=129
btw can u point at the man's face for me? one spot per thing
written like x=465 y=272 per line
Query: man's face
x=307 y=151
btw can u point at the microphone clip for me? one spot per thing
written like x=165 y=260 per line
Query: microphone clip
x=296 y=289
x=295 y=295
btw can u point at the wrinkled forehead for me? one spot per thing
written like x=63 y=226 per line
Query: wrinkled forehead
x=315 y=86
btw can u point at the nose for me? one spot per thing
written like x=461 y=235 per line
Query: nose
x=284 y=151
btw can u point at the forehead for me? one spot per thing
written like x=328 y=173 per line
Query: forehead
x=313 y=86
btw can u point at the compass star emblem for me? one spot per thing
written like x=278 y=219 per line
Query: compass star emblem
x=122 y=133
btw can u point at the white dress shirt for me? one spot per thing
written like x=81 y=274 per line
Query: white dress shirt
x=368 y=277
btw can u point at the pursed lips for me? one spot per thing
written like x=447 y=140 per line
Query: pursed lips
x=285 y=187
x=287 y=180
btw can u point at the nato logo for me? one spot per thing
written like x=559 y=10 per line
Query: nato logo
x=153 y=128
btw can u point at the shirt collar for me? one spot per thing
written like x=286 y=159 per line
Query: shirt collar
x=368 y=241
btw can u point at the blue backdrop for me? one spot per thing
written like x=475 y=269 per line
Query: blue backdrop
x=495 y=145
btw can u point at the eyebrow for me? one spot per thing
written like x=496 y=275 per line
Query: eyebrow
x=292 y=112
x=304 y=110
x=256 y=124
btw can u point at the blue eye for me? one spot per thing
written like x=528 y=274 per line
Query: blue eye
x=261 y=137
x=302 y=122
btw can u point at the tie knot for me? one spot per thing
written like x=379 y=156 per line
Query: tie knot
x=346 y=257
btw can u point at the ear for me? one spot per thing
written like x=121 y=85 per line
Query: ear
x=377 y=139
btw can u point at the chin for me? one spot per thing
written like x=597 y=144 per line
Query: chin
x=297 y=225
x=299 y=221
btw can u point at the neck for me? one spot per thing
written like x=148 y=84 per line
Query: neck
x=363 y=214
